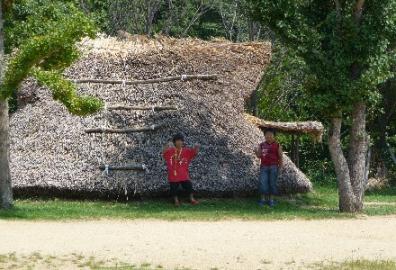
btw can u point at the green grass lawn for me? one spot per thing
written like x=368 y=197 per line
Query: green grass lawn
x=323 y=203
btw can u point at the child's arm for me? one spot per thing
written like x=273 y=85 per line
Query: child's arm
x=166 y=147
x=280 y=154
x=257 y=151
x=194 y=151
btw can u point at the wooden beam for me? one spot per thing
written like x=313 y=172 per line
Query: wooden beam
x=308 y=127
x=182 y=78
x=128 y=167
x=126 y=130
x=140 y=108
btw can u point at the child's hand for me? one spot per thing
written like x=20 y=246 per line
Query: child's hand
x=257 y=152
x=167 y=146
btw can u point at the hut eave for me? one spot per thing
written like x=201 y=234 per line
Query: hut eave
x=313 y=128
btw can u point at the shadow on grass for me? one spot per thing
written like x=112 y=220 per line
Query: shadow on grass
x=389 y=191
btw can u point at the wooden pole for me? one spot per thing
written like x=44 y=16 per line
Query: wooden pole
x=295 y=151
x=128 y=167
x=126 y=130
x=297 y=157
x=293 y=148
x=140 y=108
x=182 y=78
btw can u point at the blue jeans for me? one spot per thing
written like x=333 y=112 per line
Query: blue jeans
x=268 y=178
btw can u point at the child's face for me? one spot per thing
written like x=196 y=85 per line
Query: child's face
x=269 y=136
x=179 y=143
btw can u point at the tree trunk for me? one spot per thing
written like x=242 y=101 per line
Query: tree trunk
x=358 y=153
x=347 y=197
x=2 y=63
x=5 y=178
x=367 y=169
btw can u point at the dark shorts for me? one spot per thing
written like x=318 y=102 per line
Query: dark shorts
x=174 y=187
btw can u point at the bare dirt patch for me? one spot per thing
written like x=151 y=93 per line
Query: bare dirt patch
x=206 y=245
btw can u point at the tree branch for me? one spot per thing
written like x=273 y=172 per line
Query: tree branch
x=6 y=5
x=338 y=8
x=200 y=11
x=359 y=9
x=84 y=6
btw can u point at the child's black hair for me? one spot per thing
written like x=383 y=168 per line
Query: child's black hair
x=178 y=137
x=272 y=130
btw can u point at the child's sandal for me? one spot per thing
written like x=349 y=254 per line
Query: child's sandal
x=194 y=202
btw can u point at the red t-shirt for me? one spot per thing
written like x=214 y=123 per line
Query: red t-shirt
x=269 y=154
x=178 y=163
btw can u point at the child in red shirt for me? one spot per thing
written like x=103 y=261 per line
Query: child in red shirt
x=178 y=159
x=271 y=155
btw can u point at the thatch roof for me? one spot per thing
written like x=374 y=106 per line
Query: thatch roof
x=313 y=128
x=50 y=149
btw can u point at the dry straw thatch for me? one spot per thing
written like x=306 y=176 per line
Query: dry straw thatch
x=314 y=128
x=50 y=149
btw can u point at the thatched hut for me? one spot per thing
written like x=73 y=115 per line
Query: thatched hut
x=118 y=151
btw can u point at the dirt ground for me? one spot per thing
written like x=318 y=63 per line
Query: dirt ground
x=230 y=244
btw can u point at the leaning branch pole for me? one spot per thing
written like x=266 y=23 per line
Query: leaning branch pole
x=183 y=78
x=140 y=108
x=125 y=130
x=128 y=167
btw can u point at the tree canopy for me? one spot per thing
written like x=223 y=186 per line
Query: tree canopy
x=346 y=54
x=40 y=38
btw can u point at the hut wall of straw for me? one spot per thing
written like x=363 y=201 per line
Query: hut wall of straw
x=51 y=152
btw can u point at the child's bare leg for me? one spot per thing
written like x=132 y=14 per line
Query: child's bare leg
x=187 y=185
x=176 y=200
x=192 y=199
